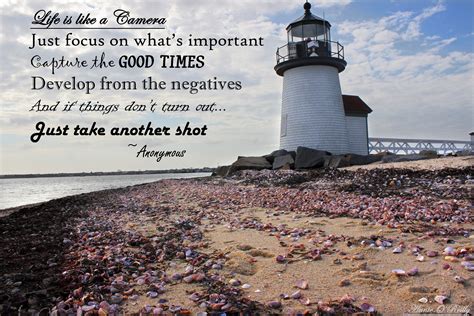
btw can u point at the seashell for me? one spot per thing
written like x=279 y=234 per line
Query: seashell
x=198 y=277
x=459 y=279
x=358 y=257
x=302 y=284
x=102 y=312
x=469 y=257
x=246 y=286
x=134 y=297
x=87 y=308
x=188 y=279
x=189 y=270
x=104 y=305
x=280 y=259
x=234 y=282
x=440 y=299
x=77 y=292
x=296 y=295
x=226 y=306
x=449 y=251
x=157 y=311
x=451 y=259
x=328 y=243
x=194 y=297
x=346 y=299
x=423 y=300
x=367 y=308
x=129 y=292
x=284 y=296
x=344 y=282
x=147 y=309
x=446 y=266
x=116 y=298
x=152 y=294
x=397 y=250
x=305 y=301
x=399 y=272
x=469 y=266
x=432 y=253
x=420 y=258
x=274 y=304
x=176 y=277
x=175 y=309
x=141 y=281
x=412 y=272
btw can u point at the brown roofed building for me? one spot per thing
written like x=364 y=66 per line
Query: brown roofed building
x=356 y=112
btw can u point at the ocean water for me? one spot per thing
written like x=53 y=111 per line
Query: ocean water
x=17 y=192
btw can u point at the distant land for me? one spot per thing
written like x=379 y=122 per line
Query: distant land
x=110 y=173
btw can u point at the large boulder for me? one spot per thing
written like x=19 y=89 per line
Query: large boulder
x=284 y=162
x=249 y=163
x=308 y=158
x=357 y=160
x=336 y=161
x=279 y=153
x=221 y=171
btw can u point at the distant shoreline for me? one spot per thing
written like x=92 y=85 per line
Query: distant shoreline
x=110 y=173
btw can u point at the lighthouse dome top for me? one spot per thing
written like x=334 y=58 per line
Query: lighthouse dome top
x=309 y=43
x=308 y=18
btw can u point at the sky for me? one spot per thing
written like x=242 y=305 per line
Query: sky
x=411 y=61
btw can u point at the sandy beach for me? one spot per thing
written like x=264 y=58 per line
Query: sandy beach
x=380 y=239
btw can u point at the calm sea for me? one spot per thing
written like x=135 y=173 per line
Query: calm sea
x=17 y=192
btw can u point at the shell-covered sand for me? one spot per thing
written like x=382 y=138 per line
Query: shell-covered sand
x=250 y=243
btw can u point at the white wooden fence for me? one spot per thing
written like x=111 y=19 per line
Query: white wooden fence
x=413 y=146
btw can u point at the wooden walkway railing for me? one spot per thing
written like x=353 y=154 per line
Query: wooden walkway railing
x=413 y=146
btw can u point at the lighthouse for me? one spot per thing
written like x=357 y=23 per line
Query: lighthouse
x=313 y=111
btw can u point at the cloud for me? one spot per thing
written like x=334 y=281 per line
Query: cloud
x=416 y=91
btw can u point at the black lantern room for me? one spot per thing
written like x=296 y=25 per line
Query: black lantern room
x=309 y=42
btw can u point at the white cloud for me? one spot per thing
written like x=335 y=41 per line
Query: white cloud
x=415 y=89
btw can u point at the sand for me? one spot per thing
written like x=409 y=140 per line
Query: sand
x=428 y=164
x=267 y=230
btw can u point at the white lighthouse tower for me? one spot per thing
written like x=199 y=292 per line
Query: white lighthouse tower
x=312 y=113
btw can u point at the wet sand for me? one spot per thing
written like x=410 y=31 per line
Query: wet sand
x=246 y=243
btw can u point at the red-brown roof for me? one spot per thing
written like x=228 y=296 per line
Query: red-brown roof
x=354 y=104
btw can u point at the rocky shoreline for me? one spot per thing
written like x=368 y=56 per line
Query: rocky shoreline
x=272 y=241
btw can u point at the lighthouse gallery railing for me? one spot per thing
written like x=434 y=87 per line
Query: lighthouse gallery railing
x=301 y=50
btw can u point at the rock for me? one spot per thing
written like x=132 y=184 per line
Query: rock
x=358 y=160
x=278 y=153
x=307 y=158
x=249 y=163
x=221 y=171
x=429 y=153
x=336 y=161
x=282 y=161
x=401 y=158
